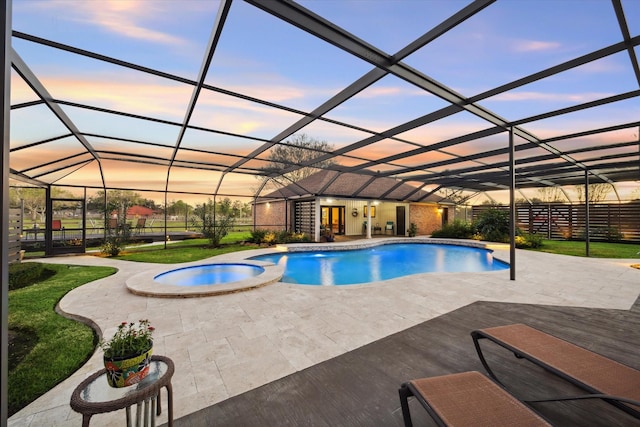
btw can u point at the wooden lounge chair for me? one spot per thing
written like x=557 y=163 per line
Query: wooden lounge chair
x=56 y=225
x=599 y=376
x=467 y=399
x=140 y=225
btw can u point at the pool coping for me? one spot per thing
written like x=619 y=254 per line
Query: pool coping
x=143 y=283
x=362 y=244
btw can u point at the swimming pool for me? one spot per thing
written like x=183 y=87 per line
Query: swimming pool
x=348 y=267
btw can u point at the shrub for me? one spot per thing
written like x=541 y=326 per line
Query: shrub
x=285 y=236
x=212 y=224
x=257 y=236
x=455 y=230
x=270 y=238
x=112 y=246
x=493 y=225
x=413 y=229
x=27 y=273
x=300 y=238
x=528 y=241
x=116 y=239
x=610 y=234
x=273 y=237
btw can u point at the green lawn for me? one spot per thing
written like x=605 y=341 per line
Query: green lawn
x=175 y=254
x=232 y=237
x=185 y=250
x=48 y=347
x=596 y=249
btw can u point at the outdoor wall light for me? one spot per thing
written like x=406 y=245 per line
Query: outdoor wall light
x=440 y=210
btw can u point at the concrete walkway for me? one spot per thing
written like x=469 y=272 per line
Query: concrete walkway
x=225 y=345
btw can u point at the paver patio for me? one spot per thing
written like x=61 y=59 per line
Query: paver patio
x=226 y=345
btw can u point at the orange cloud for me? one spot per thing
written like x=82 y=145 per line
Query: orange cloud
x=133 y=93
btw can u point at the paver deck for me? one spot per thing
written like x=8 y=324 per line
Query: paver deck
x=225 y=345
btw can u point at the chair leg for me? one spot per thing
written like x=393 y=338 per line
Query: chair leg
x=404 y=393
x=476 y=342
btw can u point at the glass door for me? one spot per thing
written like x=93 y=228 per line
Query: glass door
x=333 y=218
x=66 y=228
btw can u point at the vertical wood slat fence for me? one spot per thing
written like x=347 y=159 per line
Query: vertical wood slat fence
x=15 y=234
x=608 y=221
x=304 y=217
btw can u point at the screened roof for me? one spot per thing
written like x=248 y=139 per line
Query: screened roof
x=193 y=96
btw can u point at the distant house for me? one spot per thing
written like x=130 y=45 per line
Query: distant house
x=140 y=211
x=350 y=204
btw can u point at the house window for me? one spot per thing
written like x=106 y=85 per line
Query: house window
x=373 y=211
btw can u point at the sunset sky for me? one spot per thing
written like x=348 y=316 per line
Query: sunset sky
x=268 y=59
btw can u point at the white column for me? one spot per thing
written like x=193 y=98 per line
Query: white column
x=368 y=219
x=318 y=217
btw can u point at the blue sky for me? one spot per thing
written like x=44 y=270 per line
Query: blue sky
x=269 y=59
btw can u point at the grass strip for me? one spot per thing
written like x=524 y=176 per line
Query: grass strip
x=61 y=345
x=596 y=249
x=178 y=253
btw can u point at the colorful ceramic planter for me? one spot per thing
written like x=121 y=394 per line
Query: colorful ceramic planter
x=127 y=370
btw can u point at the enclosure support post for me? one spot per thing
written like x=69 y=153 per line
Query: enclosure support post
x=164 y=230
x=512 y=207
x=586 y=212
x=4 y=231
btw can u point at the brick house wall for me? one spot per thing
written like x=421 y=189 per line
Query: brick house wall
x=426 y=217
x=271 y=216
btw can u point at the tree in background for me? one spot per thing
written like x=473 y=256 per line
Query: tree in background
x=597 y=192
x=224 y=207
x=456 y=196
x=241 y=209
x=551 y=194
x=116 y=199
x=299 y=149
x=34 y=199
x=179 y=208
x=149 y=203
x=214 y=220
x=118 y=202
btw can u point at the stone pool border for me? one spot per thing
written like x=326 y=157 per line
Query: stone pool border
x=362 y=244
x=144 y=285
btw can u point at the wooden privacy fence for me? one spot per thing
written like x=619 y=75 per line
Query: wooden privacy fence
x=607 y=221
x=15 y=234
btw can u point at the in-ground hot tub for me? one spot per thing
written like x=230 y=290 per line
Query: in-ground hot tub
x=199 y=280
x=208 y=274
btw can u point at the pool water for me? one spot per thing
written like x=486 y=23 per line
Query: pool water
x=380 y=263
x=208 y=274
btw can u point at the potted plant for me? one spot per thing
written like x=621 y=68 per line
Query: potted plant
x=128 y=353
x=326 y=234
